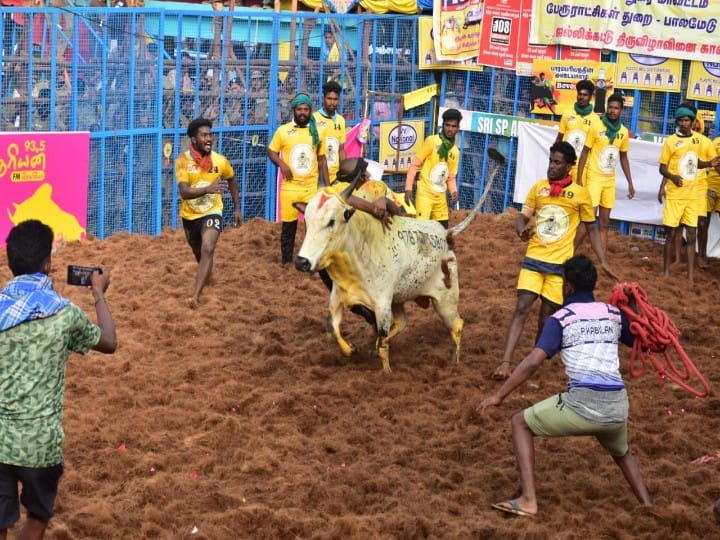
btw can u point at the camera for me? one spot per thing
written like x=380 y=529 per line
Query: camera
x=80 y=275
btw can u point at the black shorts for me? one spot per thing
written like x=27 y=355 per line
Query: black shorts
x=39 y=488
x=194 y=227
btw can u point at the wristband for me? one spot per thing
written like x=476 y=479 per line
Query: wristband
x=101 y=299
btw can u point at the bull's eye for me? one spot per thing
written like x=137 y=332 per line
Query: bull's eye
x=331 y=223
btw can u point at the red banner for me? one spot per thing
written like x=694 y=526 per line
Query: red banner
x=526 y=53
x=500 y=33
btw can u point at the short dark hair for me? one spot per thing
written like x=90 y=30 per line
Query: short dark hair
x=29 y=245
x=581 y=273
x=585 y=84
x=617 y=98
x=195 y=125
x=451 y=114
x=567 y=150
x=331 y=86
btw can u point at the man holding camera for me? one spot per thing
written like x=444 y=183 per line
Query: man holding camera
x=38 y=331
x=202 y=175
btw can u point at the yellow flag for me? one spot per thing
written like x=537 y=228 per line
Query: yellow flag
x=419 y=96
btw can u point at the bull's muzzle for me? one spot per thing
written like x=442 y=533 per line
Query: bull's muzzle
x=302 y=264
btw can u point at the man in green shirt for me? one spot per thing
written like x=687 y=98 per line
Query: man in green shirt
x=38 y=330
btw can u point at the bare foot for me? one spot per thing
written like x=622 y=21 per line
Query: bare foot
x=502 y=372
x=716 y=510
x=702 y=262
x=192 y=303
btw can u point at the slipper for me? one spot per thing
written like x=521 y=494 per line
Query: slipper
x=514 y=508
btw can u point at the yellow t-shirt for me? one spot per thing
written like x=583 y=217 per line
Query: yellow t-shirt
x=604 y=156
x=556 y=221
x=295 y=146
x=332 y=137
x=574 y=129
x=681 y=155
x=186 y=170
x=713 y=177
x=435 y=171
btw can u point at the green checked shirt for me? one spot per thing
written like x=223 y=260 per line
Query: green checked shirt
x=32 y=384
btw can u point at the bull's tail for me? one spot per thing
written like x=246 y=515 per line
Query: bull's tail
x=460 y=227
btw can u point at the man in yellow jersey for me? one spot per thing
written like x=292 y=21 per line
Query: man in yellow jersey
x=712 y=205
x=575 y=124
x=683 y=154
x=603 y=150
x=557 y=207
x=296 y=150
x=439 y=158
x=331 y=126
x=202 y=175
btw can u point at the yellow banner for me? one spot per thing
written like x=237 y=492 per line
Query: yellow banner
x=456 y=28
x=420 y=96
x=426 y=51
x=637 y=72
x=399 y=142
x=704 y=82
x=686 y=29
x=553 y=83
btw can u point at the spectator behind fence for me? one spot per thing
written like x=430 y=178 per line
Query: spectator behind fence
x=32 y=378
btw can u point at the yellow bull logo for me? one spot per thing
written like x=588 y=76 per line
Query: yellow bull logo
x=40 y=206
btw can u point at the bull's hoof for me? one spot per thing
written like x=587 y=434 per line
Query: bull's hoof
x=350 y=350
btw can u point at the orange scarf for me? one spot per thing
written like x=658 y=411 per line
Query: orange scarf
x=204 y=162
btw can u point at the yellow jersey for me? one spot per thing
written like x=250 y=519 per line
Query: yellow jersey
x=186 y=170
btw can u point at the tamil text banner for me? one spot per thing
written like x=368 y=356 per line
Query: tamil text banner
x=527 y=52
x=553 y=84
x=685 y=29
x=37 y=183
x=456 y=28
x=500 y=33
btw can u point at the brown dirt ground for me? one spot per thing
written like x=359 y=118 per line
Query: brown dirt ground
x=243 y=420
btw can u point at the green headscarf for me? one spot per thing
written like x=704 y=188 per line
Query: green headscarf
x=682 y=112
x=304 y=99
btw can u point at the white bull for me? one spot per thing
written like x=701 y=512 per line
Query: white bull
x=381 y=270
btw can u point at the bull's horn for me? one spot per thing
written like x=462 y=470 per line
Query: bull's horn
x=460 y=227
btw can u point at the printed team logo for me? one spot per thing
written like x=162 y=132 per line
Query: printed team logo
x=331 y=153
x=609 y=158
x=438 y=177
x=302 y=159
x=551 y=223
x=204 y=203
x=576 y=137
x=688 y=166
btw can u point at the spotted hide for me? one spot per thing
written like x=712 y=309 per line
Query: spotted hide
x=380 y=269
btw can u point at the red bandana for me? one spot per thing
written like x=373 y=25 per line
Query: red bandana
x=204 y=162
x=557 y=186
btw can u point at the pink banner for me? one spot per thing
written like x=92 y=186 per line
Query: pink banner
x=45 y=176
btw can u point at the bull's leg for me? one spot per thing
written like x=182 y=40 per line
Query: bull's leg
x=334 y=320
x=382 y=344
x=446 y=308
x=399 y=321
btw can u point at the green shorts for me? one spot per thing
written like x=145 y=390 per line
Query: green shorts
x=552 y=418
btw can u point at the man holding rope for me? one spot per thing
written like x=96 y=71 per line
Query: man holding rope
x=586 y=334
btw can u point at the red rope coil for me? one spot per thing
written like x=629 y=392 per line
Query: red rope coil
x=656 y=337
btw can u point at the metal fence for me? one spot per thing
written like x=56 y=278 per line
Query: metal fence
x=134 y=78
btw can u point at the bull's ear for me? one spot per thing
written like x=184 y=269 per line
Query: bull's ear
x=348 y=213
x=300 y=206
